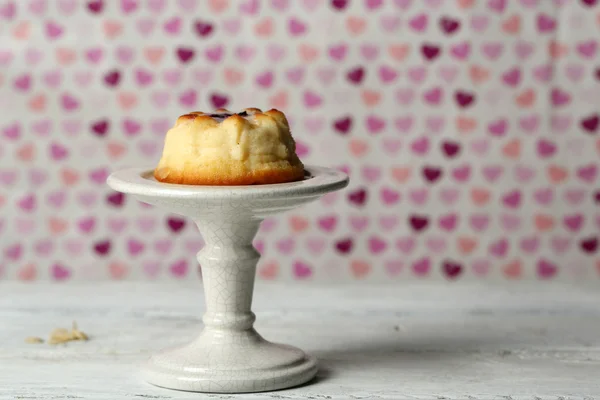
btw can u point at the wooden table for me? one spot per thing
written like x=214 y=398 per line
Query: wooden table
x=410 y=340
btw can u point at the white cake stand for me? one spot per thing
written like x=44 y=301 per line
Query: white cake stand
x=229 y=356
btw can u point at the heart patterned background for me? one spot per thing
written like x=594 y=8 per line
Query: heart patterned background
x=470 y=130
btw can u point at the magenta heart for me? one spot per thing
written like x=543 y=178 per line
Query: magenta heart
x=420 y=146
x=12 y=132
x=377 y=245
x=559 y=97
x=302 y=270
x=58 y=152
x=546 y=269
x=545 y=23
x=497 y=6
x=179 y=269
x=433 y=96
x=13 y=252
x=499 y=248
x=338 y=52
x=215 y=53
x=131 y=127
x=389 y=196
x=128 y=6
x=99 y=175
x=448 y=222
x=86 y=225
x=23 y=82
x=172 y=26
x=135 y=247
x=462 y=173
x=421 y=267
x=498 y=128
x=296 y=27
x=588 y=173
x=53 y=30
x=188 y=98
x=69 y=102
x=461 y=51
x=143 y=77
x=419 y=22
x=60 y=272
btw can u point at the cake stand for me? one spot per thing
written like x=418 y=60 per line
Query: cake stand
x=229 y=356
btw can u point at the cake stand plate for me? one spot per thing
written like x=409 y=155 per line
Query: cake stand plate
x=229 y=356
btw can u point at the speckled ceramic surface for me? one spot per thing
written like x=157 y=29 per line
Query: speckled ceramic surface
x=229 y=356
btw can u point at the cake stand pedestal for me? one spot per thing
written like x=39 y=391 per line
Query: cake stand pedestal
x=229 y=356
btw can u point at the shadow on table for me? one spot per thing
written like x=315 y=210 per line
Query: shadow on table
x=405 y=350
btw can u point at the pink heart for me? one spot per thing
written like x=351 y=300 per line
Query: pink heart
x=71 y=127
x=492 y=50
x=574 y=196
x=58 y=151
x=163 y=246
x=131 y=127
x=421 y=267
x=560 y=244
x=67 y=6
x=510 y=222
x=530 y=244
x=529 y=123
x=25 y=226
x=405 y=244
x=87 y=224
x=479 y=222
x=232 y=25
x=135 y=247
x=14 y=252
x=245 y=53
x=448 y=73
x=128 y=6
x=44 y=247
x=280 y=5
x=124 y=54
x=53 y=30
x=32 y=56
x=405 y=96
x=479 y=23
x=94 y=55
x=250 y=7
x=436 y=245
x=187 y=5
x=390 y=23
x=499 y=248
x=12 y=132
x=524 y=174
x=73 y=247
x=156 y=5
x=160 y=126
x=87 y=199
x=388 y=222
x=215 y=53
x=56 y=199
x=418 y=196
x=544 y=196
x=461 y=50
x=326 y=75
x=369 y=51
x=524 y=49
x=60 y=272
x=69 y=102
x=37 y=177
x=338 y=52
x=151 y=268
x=83 y=78
x=42 y=127
x=481 y=266
x=160 y=99
x=172 y=26
x=394 y=267
x=116 y=225
x=377 y=245
x=419 y=22
x=433 y=96
x=5 y=57
x=359 y=223
x=449 y=196
x=145 y=26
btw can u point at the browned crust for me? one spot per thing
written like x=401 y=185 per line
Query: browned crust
x=259 y=177
x=256 y=113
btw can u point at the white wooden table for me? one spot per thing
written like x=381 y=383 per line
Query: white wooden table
x=407 y=341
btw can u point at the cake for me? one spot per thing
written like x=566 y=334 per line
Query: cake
x=224 y=148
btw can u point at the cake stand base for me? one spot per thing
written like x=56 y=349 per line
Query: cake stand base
x=239 y=363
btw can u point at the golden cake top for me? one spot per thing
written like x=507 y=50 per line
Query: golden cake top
x=247 y=115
